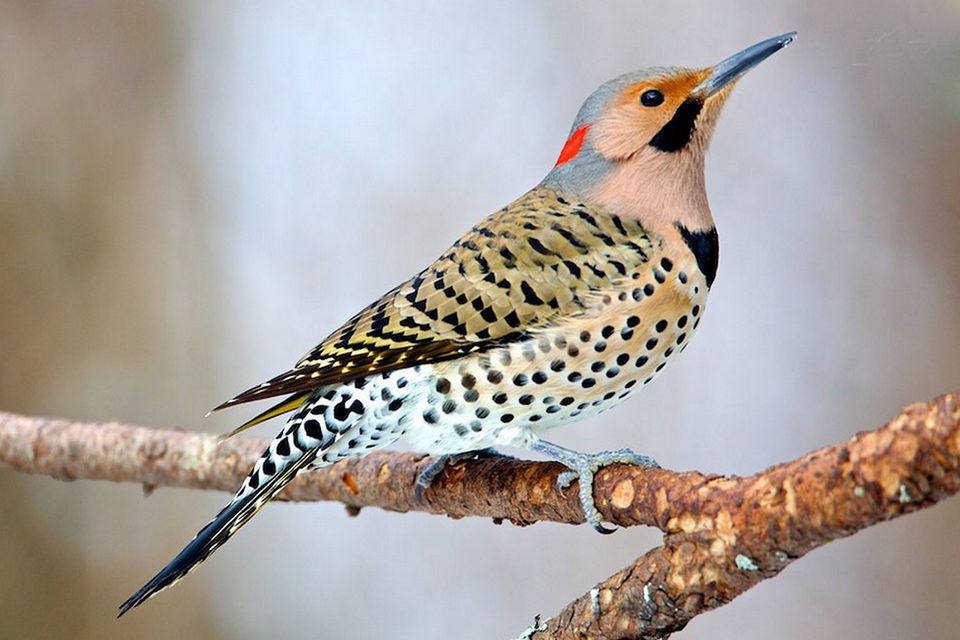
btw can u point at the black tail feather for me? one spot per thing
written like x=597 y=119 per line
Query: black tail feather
x=205 y=543
x=218 y=531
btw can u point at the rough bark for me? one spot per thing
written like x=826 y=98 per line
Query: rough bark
x=722 y=535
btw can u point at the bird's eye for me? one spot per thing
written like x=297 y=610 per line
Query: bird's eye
x=651 y=98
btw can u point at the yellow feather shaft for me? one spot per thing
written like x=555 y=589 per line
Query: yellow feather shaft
x=289 y=404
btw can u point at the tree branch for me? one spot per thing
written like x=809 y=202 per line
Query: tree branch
x=722 y=535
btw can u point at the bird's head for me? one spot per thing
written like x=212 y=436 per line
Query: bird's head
x=638 y=142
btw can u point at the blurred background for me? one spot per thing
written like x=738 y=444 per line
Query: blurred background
x=193 y=194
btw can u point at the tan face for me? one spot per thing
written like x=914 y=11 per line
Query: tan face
x=641 y=111
x=638 y=144
x=662 y=182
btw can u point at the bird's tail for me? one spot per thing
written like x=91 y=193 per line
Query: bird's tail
x=276 y=467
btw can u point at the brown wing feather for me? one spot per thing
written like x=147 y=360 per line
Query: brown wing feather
x=519 y=270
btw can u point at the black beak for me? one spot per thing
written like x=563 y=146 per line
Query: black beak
x=739 y=63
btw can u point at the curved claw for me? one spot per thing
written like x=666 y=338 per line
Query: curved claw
x=599 y=528
x=418 y=490
x=584 y=466
x=585 y=471
x=590 y=512
x=565 y=479
x=428 y=475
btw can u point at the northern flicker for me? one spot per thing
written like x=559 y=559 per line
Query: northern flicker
x=555 y=308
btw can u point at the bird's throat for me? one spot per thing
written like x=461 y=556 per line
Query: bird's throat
x=658 y=189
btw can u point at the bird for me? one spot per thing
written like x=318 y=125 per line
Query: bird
x=555 y=308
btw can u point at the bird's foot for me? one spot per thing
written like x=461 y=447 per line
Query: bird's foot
x=435 y=468
x=583 y=466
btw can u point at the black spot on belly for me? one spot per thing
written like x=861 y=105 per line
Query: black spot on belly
x=313 y=429
x=340 y=410
x=705 y=246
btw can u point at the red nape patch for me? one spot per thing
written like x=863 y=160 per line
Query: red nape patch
x=573 y=144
